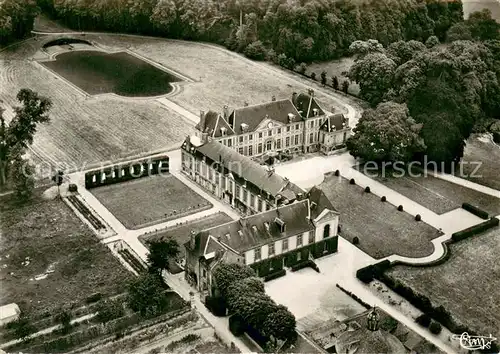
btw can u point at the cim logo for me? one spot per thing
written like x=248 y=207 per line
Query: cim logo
x=474 y=342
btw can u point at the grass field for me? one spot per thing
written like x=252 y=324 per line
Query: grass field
x=437 y=194
x=466 y=285
x=59 y=247
x=337 y=68
x=151 y=200
x=181 y=233
x=480 y=148
x=382 y=229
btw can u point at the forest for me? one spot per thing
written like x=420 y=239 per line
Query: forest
x=304 y=30
x=16 y=19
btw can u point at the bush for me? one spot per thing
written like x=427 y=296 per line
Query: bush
x=301 y=69
x=236 y=325
x=367 y=189
x=216 y=305
x=355 y=240
x=473 y=230
x=304 y=264
x=275 y=275
x=400 y=208
x=432 y=41
x=423 y=320
x=313 y=75
x=109 y=310
x=352 y=181
x=383 y=199
x=255 y=50
x=337 y=173
x=368 y=273
x=282 y=60
x=435 y=327
x=418 y=217
x=476 y=211
x=73 y=188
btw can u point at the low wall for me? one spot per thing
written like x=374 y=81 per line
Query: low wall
x=126 y=171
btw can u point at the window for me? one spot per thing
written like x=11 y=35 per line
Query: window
x=260 y=135
x=229 y=142
x=299 y=240
x=257 y=254
x=271 y=249
x=345 y=136
x=240 y=151
x=285 y=245
x=245 y=195
x=288 y=128
x=269 y=145
x=279 y=130
x=311 y=136
x=297 y=139
x=311 y=124
x=259 y=148
x=204 y=273
x=250 y=137
x=326 y=231
x=311 y=237
x=287 y=141
x=241 y=138
x=278 y=144
x=297 y=126
x=259 y=202
x=230 y=186
x=270 y=133
x=252 y=200
x=237 y=192
x=250 y=150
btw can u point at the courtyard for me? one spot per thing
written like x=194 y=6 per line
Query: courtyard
x=473 y=274
x=382 y=230
x=49 y=259
x=151 y=200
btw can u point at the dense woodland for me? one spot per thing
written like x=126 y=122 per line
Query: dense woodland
x=16 y=19
x=304 y=30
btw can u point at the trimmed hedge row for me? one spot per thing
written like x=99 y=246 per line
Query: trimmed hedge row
x=473 y=230
x=216 y=305
x=373 y=271
x=304 y=264
x=275 y=275
x=355 y=298
x=475 y=210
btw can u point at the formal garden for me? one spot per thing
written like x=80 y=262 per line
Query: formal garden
x=151 y=200
x=374 y=225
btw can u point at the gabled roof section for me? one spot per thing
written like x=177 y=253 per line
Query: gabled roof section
x=254 y=115
x=211 y=123
x=250 y=232
x=319 y=202
x=306 y=104
x=334 y=122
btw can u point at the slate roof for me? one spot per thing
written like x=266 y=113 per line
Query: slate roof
x=212 y=122
x=332 y=121
x=254 y=115
x=250 y=232
x=246 y=168
x=307 y=103
x=318 y=197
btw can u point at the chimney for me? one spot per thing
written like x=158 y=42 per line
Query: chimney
x=192 y=240
x=225 y=111
x=299 y=196
x=311 y=92
x=346 y=120
x=202 y=121
x=204 y=138
x=245 y=104
x=333 y=109
x=273 y=98
x=294 y=97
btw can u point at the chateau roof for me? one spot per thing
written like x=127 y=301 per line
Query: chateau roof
x=251 y=231
x=334 y=121
x=254 y=115
x=306 y=103
x=211 y=123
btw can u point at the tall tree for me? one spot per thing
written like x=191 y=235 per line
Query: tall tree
x=227 y=273
x=280 y=324
x=161 y=253
x=4 y=151
x=146 y=295
x=22 y=176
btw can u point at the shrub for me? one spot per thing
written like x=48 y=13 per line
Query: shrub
x=255 y=50
x=432 y=41
x=216 y=305
x=368 y=273
x=383 y=199
x=337 y=173
x=355 y=240
x=304 y=264
x=423 y=320
x=473 y=230
x=282 y=60
x=352 y=181
x=475 y=210
x=109 y=310
x=435 y=327
x=400 y=208
x=313 y=75
x=367 y=189
x=73 y=188
x=236 y=325
x=275 y=275
x=301 y=69
x=418 y=217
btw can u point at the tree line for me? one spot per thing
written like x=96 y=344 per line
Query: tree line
x=427 y=98
x=16 y=19
x=305 y=30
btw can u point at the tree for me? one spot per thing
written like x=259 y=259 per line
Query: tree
x=245 y=288
x=160 y=253
x=3 y=149
x=323 y=78
x=362 y=48
x=302 y=68
x=482 y=26
x=22 y=328
x=146 y=295
x=64 y=319
x=345 y=86
x=255 y=50
x=21 y=175
x=459 y=31
x=282 y=60
x=280 y=324
x=431 y=42
x=58 y=179
x=313 y=75
x=386 y=133
x=402 y=51
x=228 y=273
x=335 y=82
x=435 y=327
x=108 y=310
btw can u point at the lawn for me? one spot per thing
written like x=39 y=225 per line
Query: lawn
x=339 y=68
x=44 y=240
x=382 y=230
x=434 y=193
x=98 y=72
x=480 y=148
x=90 y=130
x=466 y=285
x=151 y=200
x=181 y=233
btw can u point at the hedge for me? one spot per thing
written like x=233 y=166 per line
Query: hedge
x=367 y=274
x=275 y=275
x=423 y=320
x=236 y=325
x=475 y=210
x=216 y=305
x=473 y=230
x=304 y=264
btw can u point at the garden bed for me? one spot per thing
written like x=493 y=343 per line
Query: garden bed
x=151 y=200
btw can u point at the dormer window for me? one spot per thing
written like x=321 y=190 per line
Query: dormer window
x=313 y=205
x=223 y=131
x=281 y=224
x=315 y=112
x=228 y=236
x=240 y=233
x=254 y=228
x=291 y=117
x=266 y=225
x=244 y=127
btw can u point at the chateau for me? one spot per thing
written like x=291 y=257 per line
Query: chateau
x=291 y=125
x=266 y=241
